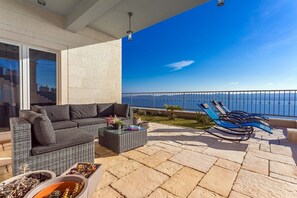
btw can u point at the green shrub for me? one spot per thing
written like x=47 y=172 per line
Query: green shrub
x=171 y=109
x=201 y=118
x=141 y=112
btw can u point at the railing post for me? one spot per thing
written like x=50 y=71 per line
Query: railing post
x=153 y=100
x=184 y=96
x=229 y=99
x=130 y=99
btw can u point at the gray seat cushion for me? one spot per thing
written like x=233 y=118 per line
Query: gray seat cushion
x=57 y=112
x=105 y=109
x=65 y=138
x=83 y=111
x=89 y=121
x=121 y=110
x=43 y=130
x=64 y=125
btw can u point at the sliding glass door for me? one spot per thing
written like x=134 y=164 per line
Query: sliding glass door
x=27 y=77
x=42 y=77
x=9 y=83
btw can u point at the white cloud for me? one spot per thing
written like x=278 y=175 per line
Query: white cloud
x=181 y=64
x=234 y=83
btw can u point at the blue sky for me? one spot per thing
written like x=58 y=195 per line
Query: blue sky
x=242 y=45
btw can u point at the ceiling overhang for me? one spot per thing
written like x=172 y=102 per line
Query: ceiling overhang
x=111 y=16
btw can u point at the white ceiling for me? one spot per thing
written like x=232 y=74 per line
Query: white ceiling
x=111 y=16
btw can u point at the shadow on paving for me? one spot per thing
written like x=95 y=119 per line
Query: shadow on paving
x=201 y=139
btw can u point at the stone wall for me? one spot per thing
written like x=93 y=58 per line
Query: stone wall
x=89 y=68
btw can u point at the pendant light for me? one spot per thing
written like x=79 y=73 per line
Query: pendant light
x=130 y=32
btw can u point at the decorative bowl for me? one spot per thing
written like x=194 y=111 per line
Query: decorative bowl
x=60 y=183
x=43 y=173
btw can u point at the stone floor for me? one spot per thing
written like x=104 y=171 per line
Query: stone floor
x=182 y=162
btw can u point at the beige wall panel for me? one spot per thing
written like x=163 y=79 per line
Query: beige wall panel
x=90 y=61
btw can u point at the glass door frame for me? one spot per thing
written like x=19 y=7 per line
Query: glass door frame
x=24 y=69
x=26 y=54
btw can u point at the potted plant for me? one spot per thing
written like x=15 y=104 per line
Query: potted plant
x=136 y=119
x=21 y=185
x=145 y=124
x=115 y=122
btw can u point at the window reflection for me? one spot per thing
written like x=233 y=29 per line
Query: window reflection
x=42 y=77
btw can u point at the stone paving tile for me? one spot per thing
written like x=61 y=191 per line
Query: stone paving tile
x=273 y=157
x=149 y=150
x=107 y=179
x=100 y=150
x=106 y=192
x=284 y=150
x=169 y=168
x=183 y=182
x=199 y=192
x=170 y=148
x=5 y=176
x=124 y=168
x=283 y=169
x=198 y=161
x=228 y=165
x=135 y=155
x=283 y=177
x=261 y=186
x=156 y=159
x=256 y=164
x=160 y=193
x=219 y=180
x=139 y=183
x=265 y=146
x=231 y=151
x=193 y=147
x=110 y=159
x=235 y=194
x=253 y=146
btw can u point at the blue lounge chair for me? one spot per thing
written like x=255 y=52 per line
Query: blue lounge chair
x=242 y=129
x=242 y=113
x=241 y=117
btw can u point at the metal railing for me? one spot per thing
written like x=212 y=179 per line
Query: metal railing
x=268 y=102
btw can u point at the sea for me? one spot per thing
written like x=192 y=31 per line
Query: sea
x=272 y=103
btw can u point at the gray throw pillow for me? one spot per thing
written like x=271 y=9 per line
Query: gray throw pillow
x=39 y=109
x=121 y=110
x=105 y=109
x=57 y=112
x=83 y=111
x=43 y=130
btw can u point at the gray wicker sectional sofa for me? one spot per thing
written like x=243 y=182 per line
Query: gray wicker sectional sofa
x=56 y=137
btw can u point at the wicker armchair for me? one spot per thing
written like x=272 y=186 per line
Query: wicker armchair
x=57 y=161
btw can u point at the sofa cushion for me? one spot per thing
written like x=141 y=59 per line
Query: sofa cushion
x=121 y=110
x=39 y=109
x=43 y=130
x=83 y=111
x=89 y=121
x=64 y=125
x=105 y=109
x=65 y=138
x=57 y=112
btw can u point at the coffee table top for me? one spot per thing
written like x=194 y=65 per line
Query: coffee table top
x=118 y=131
